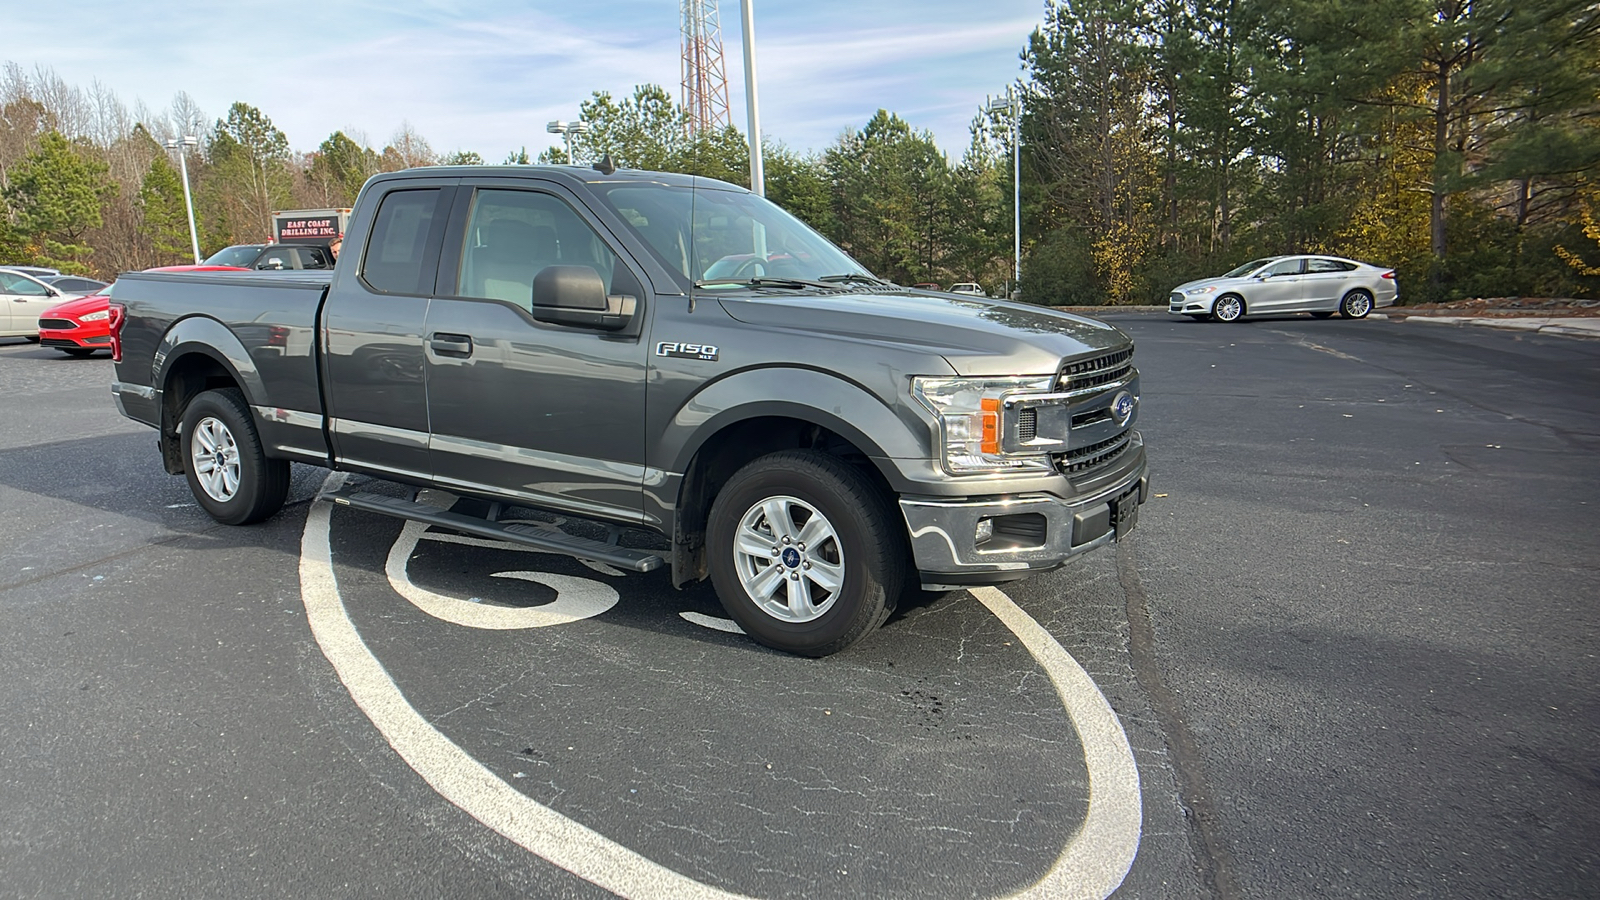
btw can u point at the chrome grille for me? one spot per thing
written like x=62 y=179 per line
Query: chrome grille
x=1081 y=459
x=57 y=324
x=1095 y=371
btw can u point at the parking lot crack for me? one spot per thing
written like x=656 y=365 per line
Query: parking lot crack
x=1212 y=855
x=486 y=695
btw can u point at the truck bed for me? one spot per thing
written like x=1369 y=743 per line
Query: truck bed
x=262 y=328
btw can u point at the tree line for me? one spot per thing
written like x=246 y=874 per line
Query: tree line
x=1457 y=141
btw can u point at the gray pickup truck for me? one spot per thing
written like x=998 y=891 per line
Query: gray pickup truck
x=648 y=351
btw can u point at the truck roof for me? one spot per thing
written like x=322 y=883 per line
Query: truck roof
x=580 y=174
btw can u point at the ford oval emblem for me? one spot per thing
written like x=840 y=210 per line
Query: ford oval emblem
x=1122 y=408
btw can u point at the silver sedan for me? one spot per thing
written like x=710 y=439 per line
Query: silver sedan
x=1319 y=285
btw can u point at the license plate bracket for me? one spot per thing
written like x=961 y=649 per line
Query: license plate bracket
x=1125 y=513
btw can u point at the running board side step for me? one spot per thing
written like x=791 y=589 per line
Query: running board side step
x=526 y=533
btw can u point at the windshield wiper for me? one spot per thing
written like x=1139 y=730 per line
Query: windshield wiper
x=855 y=278
x=789 y=283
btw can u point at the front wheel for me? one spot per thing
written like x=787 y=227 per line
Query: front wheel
x=804 y=552
x=1228 y=308
x=227 y=469
x=1356 y=305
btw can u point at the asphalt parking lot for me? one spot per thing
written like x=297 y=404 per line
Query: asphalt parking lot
x=1351 y=651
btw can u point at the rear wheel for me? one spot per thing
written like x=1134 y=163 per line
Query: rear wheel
x=1356 y=305
x=804 y=553
x=227 y=469
x=1228 y=308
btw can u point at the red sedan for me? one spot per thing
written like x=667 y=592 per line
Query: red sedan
x=77 y=327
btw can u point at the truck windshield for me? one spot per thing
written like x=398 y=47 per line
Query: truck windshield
x=717 y=238
x=242 y=256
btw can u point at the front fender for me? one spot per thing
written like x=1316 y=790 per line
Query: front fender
x=876 y=427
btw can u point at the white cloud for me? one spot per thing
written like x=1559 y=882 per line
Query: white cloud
x=487 y=76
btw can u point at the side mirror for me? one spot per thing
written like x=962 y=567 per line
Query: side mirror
x=51 y=292
x=575 y=295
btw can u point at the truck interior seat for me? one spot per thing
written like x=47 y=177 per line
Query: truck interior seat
x=512 y=252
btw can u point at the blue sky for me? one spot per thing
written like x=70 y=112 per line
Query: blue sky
x=488 y=76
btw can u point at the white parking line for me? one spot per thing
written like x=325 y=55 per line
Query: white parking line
x=1092 y=865
x=576 y=598
x=1098 y=857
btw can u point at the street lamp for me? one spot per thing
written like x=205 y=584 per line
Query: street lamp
x=1012 y=104
x=183 y=145
x=758 y=176
x=567 y=130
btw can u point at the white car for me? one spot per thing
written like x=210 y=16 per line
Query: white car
x=1319 y=285
x=968 y=288
x=22 y=298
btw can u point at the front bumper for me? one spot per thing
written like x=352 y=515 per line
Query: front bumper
x=1179 y=304
x=85 y=337
x=1032 y=533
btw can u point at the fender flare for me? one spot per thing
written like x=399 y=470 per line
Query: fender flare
x=207 y=337
x=844 y=407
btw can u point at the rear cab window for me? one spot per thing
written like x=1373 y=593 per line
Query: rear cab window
x=401 y=256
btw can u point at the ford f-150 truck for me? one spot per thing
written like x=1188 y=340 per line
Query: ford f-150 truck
x=649 y=351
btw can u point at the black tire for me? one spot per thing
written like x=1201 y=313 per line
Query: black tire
x=259 y=485
x=1355 y=305
x=1322 y=315
x=862 y=538
x=76 y=352
x=1228 y=308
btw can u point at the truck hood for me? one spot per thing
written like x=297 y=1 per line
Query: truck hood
x=977 y=337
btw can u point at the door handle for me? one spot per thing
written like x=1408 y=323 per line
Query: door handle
x=451 y=344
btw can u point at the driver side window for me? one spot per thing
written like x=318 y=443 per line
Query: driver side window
x=1285 y=267
x=514 y=235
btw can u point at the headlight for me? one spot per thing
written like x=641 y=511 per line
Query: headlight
x=100 y=316
x=1201 y=290
x=970 y=426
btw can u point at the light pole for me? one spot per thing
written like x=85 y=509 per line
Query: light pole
x=567 y=130
x=1013 y=104
x=758 y=175
x=183 y=145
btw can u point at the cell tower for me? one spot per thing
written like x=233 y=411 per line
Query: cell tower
x=705 y=77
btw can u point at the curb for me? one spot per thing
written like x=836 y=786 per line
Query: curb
x=1574 y=327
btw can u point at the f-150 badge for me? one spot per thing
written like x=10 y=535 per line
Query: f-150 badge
x=681 y=350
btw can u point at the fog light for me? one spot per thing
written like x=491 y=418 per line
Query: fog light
x=985 y=531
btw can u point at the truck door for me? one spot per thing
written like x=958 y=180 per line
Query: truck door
x=373 y=324
x=552 y=414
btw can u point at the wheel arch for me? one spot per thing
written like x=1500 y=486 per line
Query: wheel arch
x=740 y=438
x=197 y=354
